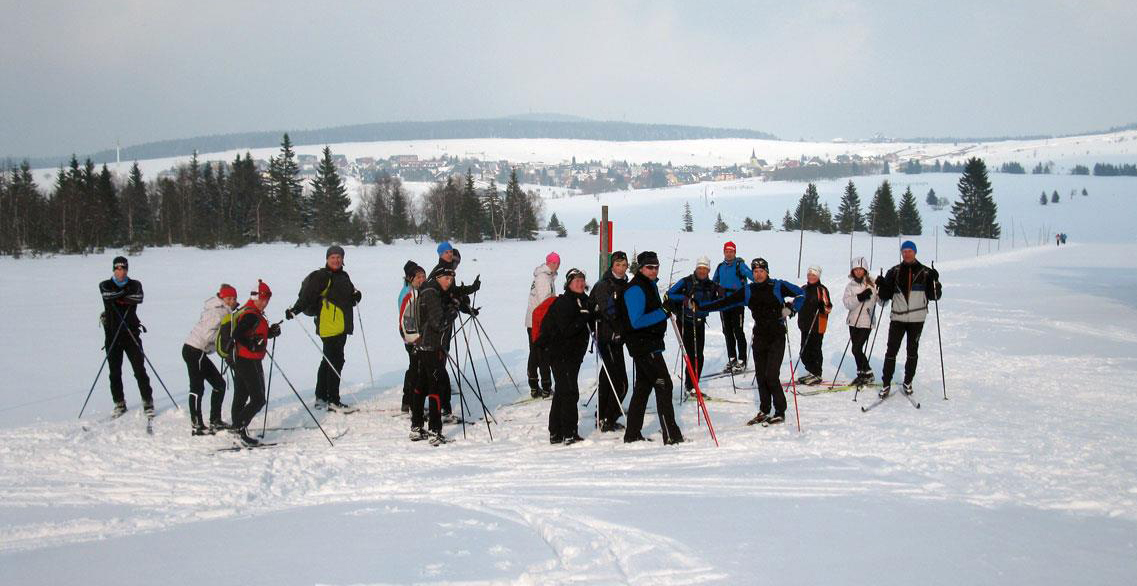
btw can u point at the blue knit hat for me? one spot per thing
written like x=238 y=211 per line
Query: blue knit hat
x=444 y=246
x=908 y=245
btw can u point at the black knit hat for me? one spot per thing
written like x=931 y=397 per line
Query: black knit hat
x=411 y=269
x=574 y=274
x=120 y=261
x=334 y=249
x=647 y=257
x=760 y=263
x=441 y=271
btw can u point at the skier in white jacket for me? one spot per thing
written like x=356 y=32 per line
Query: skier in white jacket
x=200 y=342
x=859 y=297
x=544 y=286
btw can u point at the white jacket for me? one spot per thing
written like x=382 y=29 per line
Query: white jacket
x=860 y=312
x=204 y=335
x=544 y=286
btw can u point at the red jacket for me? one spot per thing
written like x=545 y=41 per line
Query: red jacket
x=251 y=333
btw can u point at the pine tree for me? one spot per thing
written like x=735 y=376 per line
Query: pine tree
x=788 y=222
x=720 y=226
x=809 y=212
x=592 y=227
x=471 y=212
x=136 y=206
x=109 y=207
x=825 y=223
x=331 y=220
x=495 y=211
x=1054 y=197
x=932 y=200
x=377 y=206
x=286 y=193
x=401 y=224
x=1042 y=199
x=883 y=220
x=688 y=220
x=974 y=215
x=1084 y=192
x=556 y=226
x=908 y=215
x=849 y=216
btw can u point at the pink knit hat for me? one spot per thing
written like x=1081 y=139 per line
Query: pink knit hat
x=552 y=257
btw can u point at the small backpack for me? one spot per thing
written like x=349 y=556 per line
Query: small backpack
x=539 y=313
x=225 y=344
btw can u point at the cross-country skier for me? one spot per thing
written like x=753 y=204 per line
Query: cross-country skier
x=645 y=324
x=766 y=298
x=543 y=287
x=910 y=286
x=328 y=294
x=250 y=336
x=859 y=297
x=434 y=326
x=733 y=275
x=694 y=290
x=122 y=334
x=812 y=321
x=201 y=342
x=413 y=278
x=456 y=298
x=609 y=342
x=564 y=337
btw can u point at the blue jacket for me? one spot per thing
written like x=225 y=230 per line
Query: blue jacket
x=732 y=275
x=645 y=320
x=703 y=292
x=765 y=300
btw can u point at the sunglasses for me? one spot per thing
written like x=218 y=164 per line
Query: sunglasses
x=652 y=267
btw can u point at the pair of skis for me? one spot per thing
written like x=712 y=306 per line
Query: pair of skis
x=875 y=404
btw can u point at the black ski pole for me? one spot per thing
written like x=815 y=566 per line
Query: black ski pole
x=106 y=357
x=939 y=336
x=860 y=312
x=299 y=398
x=461 y=396
x=151 y=364
x=477 y=383
x=478 y=324
x=808 y=335
x=268 y=393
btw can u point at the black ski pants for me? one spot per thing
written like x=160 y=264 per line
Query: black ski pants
x=202 y=370
x=410 y=374
x=811 y=357
x=860 y=338
x=129 y=343
x=652 y=374
x=694 y=336
x=609 y=399
x=430 y=384
x=732 y=329
x=248 y=391
x=538 y=363
x=769 y=350
x=897 y=330
x=563 y=416
x=328 y=378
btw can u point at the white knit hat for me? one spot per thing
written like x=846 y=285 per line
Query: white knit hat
x=861 y=262
x=815 y=270
x=703 y=262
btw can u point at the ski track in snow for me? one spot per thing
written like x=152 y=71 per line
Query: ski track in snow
x=1039 y=416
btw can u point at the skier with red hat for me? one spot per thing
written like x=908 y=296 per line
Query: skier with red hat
x=251 y=336
x=732 y=274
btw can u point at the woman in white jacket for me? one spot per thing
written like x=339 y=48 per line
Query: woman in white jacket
x=859 y=297
x=201 y=341
x=544 y=286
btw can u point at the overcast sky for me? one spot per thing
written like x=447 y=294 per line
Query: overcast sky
x=76 y=76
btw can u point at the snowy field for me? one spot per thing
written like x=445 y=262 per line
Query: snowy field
x=1027 y=475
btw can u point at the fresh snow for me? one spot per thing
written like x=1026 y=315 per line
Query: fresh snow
x=1026 y=475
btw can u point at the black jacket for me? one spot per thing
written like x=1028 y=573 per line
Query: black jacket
x=341 y=293
x=565 y=329
x=816 y=297
x=435 y=318
x=120 y=303
x=603 y=298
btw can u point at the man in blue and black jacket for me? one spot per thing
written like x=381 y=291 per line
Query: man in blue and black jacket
x=122 y=334
x=645 y=324
x=701 y=290
x=732 y=275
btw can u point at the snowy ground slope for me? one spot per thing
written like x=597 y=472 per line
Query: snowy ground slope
x=1027 y=475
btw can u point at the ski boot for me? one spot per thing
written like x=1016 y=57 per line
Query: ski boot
x=907 y=388
x=119 y=410
x=535 y=393
x=449 y=418
x=546 y=393
x=418 y=434
x=671 y=441
x=340 y=407
x=437 y=439
x=774 y=420
x=811 y=380
x=148 y=409
x=572 y=439
x=739 y=367
x=216 y=425
x=635 y=438
x=730 y=365
x=884 y=391
x=249 y=441
x=320 y=404
x=759 y=418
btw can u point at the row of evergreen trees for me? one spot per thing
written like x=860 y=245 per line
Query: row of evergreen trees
x=235 y=203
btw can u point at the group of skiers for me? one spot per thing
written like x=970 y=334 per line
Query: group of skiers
x=622 y=312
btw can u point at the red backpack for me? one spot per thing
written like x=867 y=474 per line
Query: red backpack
x=539 y=316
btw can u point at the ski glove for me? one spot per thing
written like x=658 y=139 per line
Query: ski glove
x=289 y=313
x=788 y=309
x=477 y=284
x=357 y=296
x=274 y=330
x=864 y=295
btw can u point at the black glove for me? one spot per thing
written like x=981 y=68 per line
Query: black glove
x=667 y=311
x=477 y=284
x=357 y=296
x=274 y=330
x=289 y=313
x=864 y=295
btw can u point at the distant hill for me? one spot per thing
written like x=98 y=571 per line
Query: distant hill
x=523 y=126
x=955 y=140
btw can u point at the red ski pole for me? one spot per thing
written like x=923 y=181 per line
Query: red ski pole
x=694 y=381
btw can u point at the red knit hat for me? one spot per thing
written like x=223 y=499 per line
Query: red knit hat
x=728 y=246
x=262 y=290
x=226 y=290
